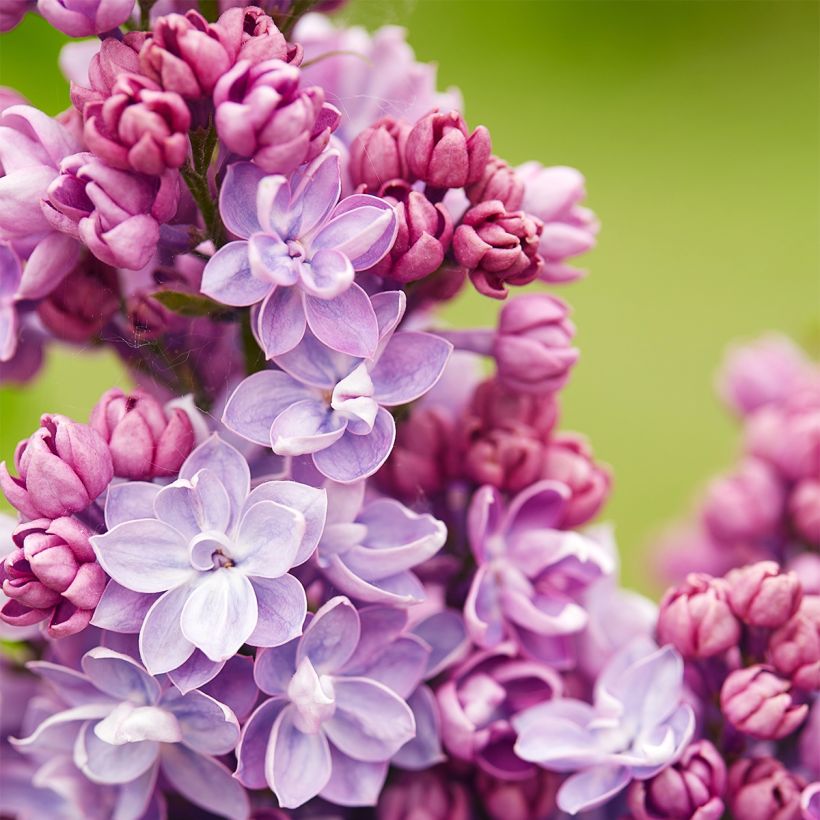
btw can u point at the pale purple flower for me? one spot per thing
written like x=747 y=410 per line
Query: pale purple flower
x=368 y=552
x=337 y=712
x=10 y=276
x=122 y=727
x=218 y=553
x=634 y=729
x=331 y=405
x=300 y=247
x=529 y=572
x=81 y=18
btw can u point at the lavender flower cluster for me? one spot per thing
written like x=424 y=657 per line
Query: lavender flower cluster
x=322 y=561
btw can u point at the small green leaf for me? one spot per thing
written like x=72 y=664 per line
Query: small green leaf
x=189 y=304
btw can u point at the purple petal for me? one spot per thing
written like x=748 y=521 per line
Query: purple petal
x=371 y=592
x=119 y=676
x=400 y=665
x=389 y=306
x=305 y=427
x=250 y=754
x=379 y=626
x=297 y=765
x=346 y=323
x=50 y=262
x=275 y=667
x=127 y=723
x=220 y=614
x=424 y=750
x=59 y=732
x=237 y=198
x=354 y=457
x=554 y=734
x=591 y=788
x=327 y=275
x=540 y=506
x=138 y=798
x=331 y=636
x=408 y=367
x=273 y=206
x=145 y=555
x=482 y=609
x=228 y=278
x=193 y=507
x=280 y=323
x=445 y=634
x=270 y=260
x=371 y=722
x=101 y=762
x=316 y=364
x=207 y=726
x=72 y=687
x=353 y=782
x=162 y=645
x=268 y=538
x=282 y=609
x=121 y=609
x=196 y=672
x=207 y=783
x=316 y=192
x=483 y=520
x=129 y=500
x=554 y=615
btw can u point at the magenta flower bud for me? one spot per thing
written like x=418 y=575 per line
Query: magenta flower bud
x=82 y=18
x=533 y=344
x=762 y=595
x=804 y=510
x=12 y=12
x=52 y=574
x=691 y=789
x=443 y=154
x=146 y=440
x=499 y=181
x=116 y=213
x=83 y=303
x=524 y=799
x=568 y=458
x=114 y=58
x=261 y=113
x=758 y=702
x=746 y=505
x=424 y=235
x=250 y=34
x=139 y=127
x=498 y=247
x=696 y=618
x=763 y=789
x=424 y=795
x=788 y=438
x=378 y=155
x=794 y=649
x=63 y=466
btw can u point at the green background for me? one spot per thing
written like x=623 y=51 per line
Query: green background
x=696 y=124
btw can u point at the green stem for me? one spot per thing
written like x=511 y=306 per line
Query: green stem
x=195 y=174
x=289 y=20
x=145 y=14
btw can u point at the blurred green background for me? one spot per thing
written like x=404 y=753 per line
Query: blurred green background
x=696 y=124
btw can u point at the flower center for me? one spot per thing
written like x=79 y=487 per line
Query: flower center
x=210 y=550
x=312 y=695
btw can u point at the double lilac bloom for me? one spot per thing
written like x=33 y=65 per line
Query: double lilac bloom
x=331 y=405
x=218 y=554
x=529 y=572
x=298 y=252
x=122 y=728
x=636 y=727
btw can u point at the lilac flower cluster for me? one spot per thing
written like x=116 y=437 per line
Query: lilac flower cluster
x=319 y=560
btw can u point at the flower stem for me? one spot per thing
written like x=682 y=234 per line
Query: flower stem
x=195 y=174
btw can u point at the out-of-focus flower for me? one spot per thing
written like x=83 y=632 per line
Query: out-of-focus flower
x=758 y=702
x=428 y=795
x=479 y=702
x=12 y=12
x=82 y=18
x=794 y=649
x=335 y=717
x=763 y=595
x=218 y=553
x=121 y=726
x=262 y=114
x=498 y=247
x=635 y=728
x=553 y=195
x=116 y=213
x=532 y=797
x=145 y=439
x=804 y=508
x=62 y=468
x=299 y=251
x=10 y=277
x=52 y=574
x=333 y=406
x=696 y=618
x=528 y=572
x=763 y=789
x=379 y=155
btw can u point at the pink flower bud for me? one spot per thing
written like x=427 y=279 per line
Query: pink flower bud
x=114 y=58
x=524 y=799
x=696 y=619
x=498 y=247
x=533 y=344
x=788 y=438
x=262 y=114
x=763 y=789
x=746 y=505
x=82 y=18
x=52 y=574
x=139 y=127
x=377 y=155
x=794 y=649
x=426 y=795
x=499 y=181
x=442 y=153
x=691 y=789
x=146 y=441
x=12 y=12
x=762 y=595
x=758 y=702
x=568 y=458
x=804 y=509
x=250 y=34
x=62 y=468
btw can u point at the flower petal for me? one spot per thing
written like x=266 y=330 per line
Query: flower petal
x=445 y=634
x=280 y=323
x=197 y=671
x=274 y=668
x=328 y=274
x=101 y=762
x=424 y=750
x=228 y=278
x=207 y=726
x=73 y=687
x=305 y=427
x=591 y=787
x=119 y=676
x=250 y=753
x=282 y=608
x=409 y=366
x=129 y=500
x=331 y=636
x=346 y=323
x=269 y=536
x=353 y=782
x=237 y=198
x=121 y=609
x=316 y=191
x=316 y=364
x=270 y=260
x=193 y=507
x=163 y=647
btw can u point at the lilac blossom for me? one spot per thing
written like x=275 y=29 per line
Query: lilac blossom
x=298 y=251
x=528 y=572
x=331 y=405
x=81 y=18
x=337 y=712
x=123 y=727
x=218 y=553
x=10 y=275
x=634 y=729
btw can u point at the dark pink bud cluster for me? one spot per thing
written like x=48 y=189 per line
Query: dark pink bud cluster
x=378 y=156
x=498 y=181
x=763 y=789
